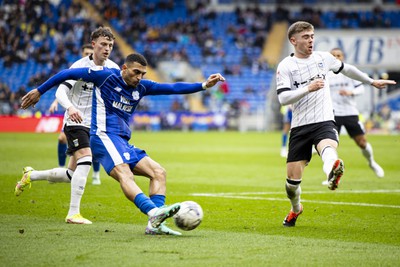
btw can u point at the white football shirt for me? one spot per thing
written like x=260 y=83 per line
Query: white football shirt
x=294 y=73
x=80 y=93
x=344 y=105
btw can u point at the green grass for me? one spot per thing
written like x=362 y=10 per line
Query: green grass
x=357 y=225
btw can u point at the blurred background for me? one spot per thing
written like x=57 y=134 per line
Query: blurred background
x=188 y=41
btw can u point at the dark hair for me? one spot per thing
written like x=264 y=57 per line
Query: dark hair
x=336 y=48
x=89 y=46
x=136 y=57
x=102 y=31
x=299 y=26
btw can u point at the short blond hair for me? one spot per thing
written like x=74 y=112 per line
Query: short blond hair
x=299 y=26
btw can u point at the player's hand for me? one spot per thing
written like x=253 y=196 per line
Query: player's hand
x=345 y=93
x=214 y=79
x=74 y=114
x=30 y=99
x=316 y=85
x=53 y=107
x=381 y=84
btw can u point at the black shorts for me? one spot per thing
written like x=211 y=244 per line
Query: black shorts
x=302 y=139
x=352 y=124
x=77 y=137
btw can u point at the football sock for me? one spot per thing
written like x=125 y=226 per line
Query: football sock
x=158 y=200
x=284 y=139
x=56 y=175
x=96 y=169
x=293 y=191
x=328 y=156
x=145 y=204
x=62 y=157
x=78 y=183
x=368 y=153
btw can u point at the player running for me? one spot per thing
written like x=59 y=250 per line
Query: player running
x=343 y=90
x=301 y=81
x=86 y=50
x=76 y=98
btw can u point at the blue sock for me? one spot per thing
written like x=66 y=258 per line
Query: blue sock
x=62 y=157
x=158 y=200
x=144 y=203
x=96 y=165
x=284 y=139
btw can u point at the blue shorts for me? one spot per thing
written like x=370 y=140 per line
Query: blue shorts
x=111 y=150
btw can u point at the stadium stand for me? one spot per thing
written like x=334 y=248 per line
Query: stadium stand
x=40 y=38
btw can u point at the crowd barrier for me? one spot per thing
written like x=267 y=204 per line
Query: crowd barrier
x=154 y=121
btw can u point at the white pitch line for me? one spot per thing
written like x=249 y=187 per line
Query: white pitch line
x=303 y=200
x=379 y=191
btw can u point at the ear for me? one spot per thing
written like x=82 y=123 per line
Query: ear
x=292 y=40
x=124 y=67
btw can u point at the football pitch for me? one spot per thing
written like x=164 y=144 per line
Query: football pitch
x=237 y=178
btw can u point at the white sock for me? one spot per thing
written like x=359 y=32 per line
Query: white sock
x=96 y=175
x=368 y=153
x=152 y=212
x=293 y=191
x=78 y=183
x=56 y=175
x=328 y=156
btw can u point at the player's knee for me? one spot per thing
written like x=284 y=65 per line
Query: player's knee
x=62 y=139
x=160 y=174
x=361 y=142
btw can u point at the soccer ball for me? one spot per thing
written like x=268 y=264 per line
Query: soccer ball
x=189 y=216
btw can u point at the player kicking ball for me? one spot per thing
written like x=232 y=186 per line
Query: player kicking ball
x=115 y=97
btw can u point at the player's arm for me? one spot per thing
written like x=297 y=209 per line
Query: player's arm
x=53 y=107
x=63 y=99
x=31 y=98
x=288 y=96
x=354 y=73
x=182 y=87
x=358 y=90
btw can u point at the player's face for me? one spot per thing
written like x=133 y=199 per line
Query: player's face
x=102 y=48
x=86 y=52
x=303 y=43
x=338 y=54
x=133 y=73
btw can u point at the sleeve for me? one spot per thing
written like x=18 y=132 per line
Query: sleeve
x=335 y=65
x=282 y=78
x=283 y=86
x=62 y=95
x=290 y=97
x=358 y=88
x=154 y=88
x=85 y=74
x=356 y=74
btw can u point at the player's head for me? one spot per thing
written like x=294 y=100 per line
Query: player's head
x=338 y=53
x=301 y=36
x=103 y=42
x=86 y=50
x=134 y=68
